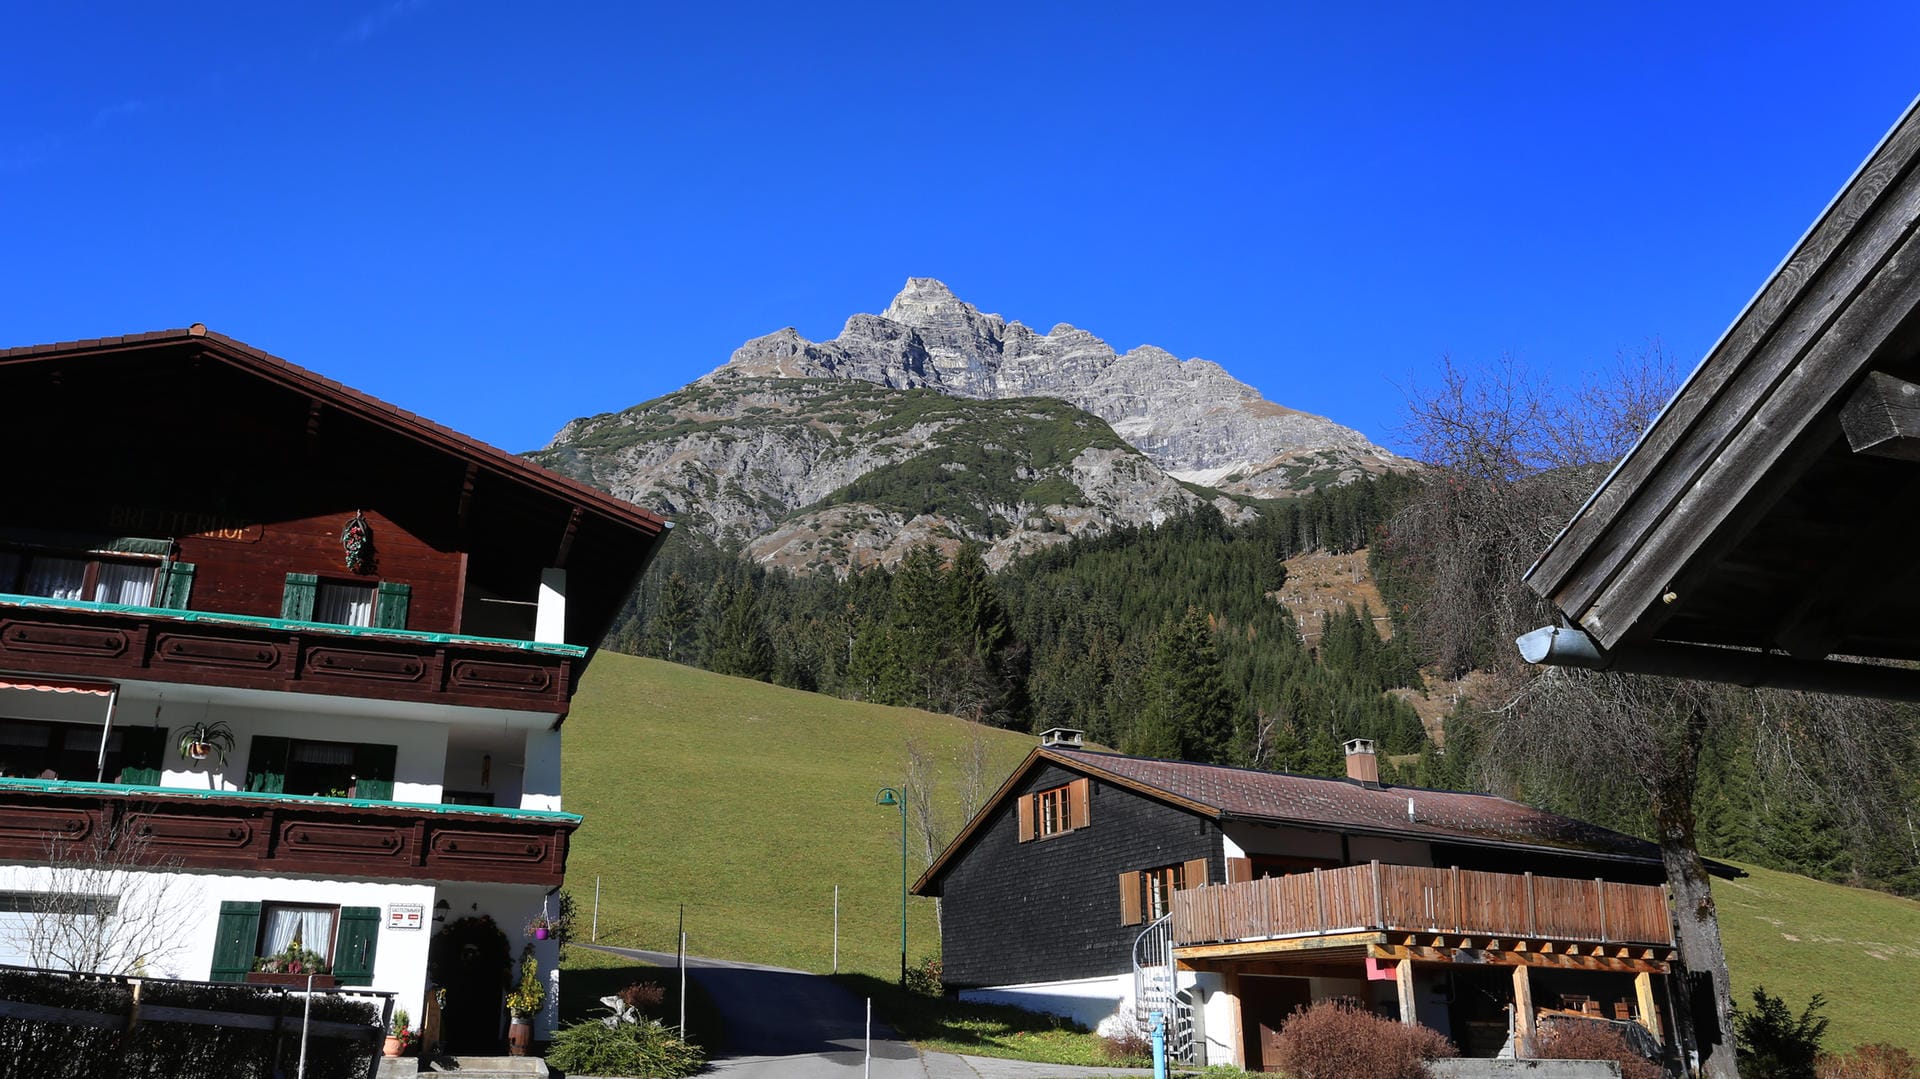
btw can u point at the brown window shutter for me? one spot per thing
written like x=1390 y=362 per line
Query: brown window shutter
x=1026 y=817
x=1239 y=870
x=1129 y=899
x=1194 y=873
x=1080 y=799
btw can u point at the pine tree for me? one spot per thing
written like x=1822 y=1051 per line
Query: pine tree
x=742 y=646
x=674 y=618
x=1188 y=709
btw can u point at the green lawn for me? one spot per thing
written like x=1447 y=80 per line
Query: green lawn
x=748 y=803
x=1798 y=937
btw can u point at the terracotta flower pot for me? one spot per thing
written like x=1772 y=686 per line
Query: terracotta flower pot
x=393 y=1047
x=519 y=1036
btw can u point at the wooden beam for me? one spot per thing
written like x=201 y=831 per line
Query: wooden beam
x=1481 y=957
x=1882 y=418
x=1251 y=948
x=1523 y=1025
x=566 y=539
x=1403 y=982
x=1649 y=1013
x=466 y=492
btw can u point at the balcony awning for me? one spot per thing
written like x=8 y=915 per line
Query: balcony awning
x=58 y=685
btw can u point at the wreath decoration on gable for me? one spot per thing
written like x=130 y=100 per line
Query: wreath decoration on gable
x=355 y=539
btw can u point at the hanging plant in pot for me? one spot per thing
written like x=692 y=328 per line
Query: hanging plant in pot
x=206 y=741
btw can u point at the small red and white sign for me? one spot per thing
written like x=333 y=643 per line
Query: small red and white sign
x=406 y=915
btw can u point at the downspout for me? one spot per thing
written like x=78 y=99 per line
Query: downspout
x=100 y=759
x=1570 y=646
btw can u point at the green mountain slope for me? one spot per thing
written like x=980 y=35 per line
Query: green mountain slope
x=749 y=802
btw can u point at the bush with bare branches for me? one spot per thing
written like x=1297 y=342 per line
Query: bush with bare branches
x=1338 y=1040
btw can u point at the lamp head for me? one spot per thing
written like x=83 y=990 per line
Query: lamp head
x=888 y=797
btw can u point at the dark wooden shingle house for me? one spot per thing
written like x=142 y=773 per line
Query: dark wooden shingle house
x=1094 y=884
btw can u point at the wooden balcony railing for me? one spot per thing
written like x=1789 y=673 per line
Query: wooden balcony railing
x=50 y=820
x=1416 y=899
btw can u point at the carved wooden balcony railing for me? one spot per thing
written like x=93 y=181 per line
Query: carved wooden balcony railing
x=41 y=820
x=1416 y=899
x=100 y=640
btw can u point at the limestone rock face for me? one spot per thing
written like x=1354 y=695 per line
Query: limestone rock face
x=825 y=474
x=1192 y=418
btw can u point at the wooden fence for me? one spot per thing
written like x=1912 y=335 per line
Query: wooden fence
x=1402 y=898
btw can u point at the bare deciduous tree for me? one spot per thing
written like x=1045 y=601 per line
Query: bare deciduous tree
x=104 y=903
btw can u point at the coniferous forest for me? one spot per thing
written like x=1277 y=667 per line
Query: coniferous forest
x=1169 y=642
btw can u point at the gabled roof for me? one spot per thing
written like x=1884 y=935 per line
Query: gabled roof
x=274 y=369
x=1223 y=793
x=1761 y=524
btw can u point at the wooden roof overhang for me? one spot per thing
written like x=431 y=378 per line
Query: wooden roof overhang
x=1758 y=530
x=605 y=541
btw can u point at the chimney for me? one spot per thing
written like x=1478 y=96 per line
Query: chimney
x=1061 y=736
x=1362 y=766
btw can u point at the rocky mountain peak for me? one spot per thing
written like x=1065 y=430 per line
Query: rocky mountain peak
x=1192 y=417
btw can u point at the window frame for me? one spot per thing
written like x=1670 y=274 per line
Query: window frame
x=1054 y=811
x=1139 y=903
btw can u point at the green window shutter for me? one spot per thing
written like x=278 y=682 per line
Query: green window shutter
x=373 y=772
x=296 y=602
x=141 y=750
x=353 y=949
x=390 y=609
x=235 y=941
x=176 y=586
x=267 y=764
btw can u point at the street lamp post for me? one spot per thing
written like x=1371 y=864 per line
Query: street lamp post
x=890 y=797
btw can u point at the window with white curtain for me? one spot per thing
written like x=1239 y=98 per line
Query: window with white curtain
x=282 y=924
x=343 y=604
x=124 y=581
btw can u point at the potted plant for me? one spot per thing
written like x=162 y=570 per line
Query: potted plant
x=199 y=741
x=399 y=1036
x=542 y=927
x=524 y=1002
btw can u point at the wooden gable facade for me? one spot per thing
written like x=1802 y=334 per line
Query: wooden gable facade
x=234 y=475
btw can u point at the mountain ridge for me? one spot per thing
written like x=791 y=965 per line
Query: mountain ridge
x=1194 y=419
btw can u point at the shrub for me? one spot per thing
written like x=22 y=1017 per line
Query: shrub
x=644 y=997
x=1337 y=1040
x=1869 y=1062
x=1124 y=1044
x=1595 y=1041
x=926 y=978
x=643 y=1050
x=1773 y=1043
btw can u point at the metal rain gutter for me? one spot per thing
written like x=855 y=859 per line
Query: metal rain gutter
x=1568 y=646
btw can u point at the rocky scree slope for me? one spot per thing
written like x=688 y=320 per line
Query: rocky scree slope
x=1192 y=418
x=838 y=474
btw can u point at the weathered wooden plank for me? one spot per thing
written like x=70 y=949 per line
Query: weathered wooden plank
x=1828 y=272
x=1882 y=418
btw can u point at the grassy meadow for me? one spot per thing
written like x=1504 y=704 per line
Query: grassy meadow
x=748 y=803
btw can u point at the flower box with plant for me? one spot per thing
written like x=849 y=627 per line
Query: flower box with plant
x=201 y=741
x=292 y=966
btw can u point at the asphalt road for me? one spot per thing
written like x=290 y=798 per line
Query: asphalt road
x=788 y=1024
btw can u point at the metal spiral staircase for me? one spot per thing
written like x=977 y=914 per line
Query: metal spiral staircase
x=1156 y=989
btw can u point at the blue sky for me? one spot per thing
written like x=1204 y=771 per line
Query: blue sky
x=505 y=216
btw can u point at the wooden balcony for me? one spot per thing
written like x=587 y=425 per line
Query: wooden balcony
x=289 y=835
x=100 y=640
x=1416 y=899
